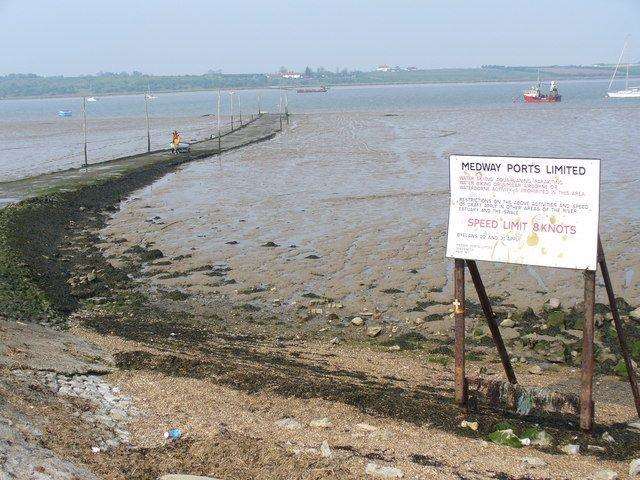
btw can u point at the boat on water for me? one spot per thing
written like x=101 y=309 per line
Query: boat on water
x=64 y=113
x=535 y=95
x=320 y=89
x=148 y=95
x=628 y=92
x=92 y=99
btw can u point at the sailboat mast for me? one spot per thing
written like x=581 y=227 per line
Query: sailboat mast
x=624 y=47
x=626 y=83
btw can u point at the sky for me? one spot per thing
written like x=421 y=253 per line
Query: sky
x=71 y=37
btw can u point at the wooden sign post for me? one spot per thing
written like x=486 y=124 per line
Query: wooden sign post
x=531 y=211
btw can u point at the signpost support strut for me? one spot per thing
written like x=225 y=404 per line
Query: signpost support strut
x=613 y=304
x=491 y=320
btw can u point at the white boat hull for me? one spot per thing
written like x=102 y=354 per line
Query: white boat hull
x=632 y=93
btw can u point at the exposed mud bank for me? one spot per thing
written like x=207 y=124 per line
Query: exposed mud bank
x=34 y=272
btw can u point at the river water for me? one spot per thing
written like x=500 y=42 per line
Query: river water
x=354 y=195
x=33 y=139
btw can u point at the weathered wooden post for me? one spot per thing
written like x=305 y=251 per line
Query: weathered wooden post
x=146 y=112
x=218 y=115
x=231 y=108
x=588 y=361
x=84 y=129
x=459 y=314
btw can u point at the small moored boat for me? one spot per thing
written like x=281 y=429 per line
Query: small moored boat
x=320 y=89
x=64 y=113
x=535 y=95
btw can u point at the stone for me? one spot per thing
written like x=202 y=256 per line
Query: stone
x=554 y=303
x=394 y=348
x=595 y=448
x=542 y=439
x=325 y=450
x=605 y=475
x=635 y=313
x=289 y=423
x=570 y=449
x=507 y=323
x=535 y=369
x=509 y=333
x=357 y=321
x=374 y=331
x=533 y=462
x=634 y=467
x=321 y=423
x=383 y=472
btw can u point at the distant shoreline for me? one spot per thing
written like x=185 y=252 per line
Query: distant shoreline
x=294 y=87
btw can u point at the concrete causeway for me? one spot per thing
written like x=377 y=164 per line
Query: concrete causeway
x=262 y=127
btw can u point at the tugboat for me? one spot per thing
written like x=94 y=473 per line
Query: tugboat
x=320 y=89
x=535 y=95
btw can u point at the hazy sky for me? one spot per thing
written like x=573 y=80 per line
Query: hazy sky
x=193 y=36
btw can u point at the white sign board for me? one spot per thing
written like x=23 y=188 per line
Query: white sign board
x=531 y=211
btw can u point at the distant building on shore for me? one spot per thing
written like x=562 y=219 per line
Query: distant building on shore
x=287 y=74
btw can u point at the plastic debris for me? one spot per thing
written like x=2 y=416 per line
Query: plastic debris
x=173 y=434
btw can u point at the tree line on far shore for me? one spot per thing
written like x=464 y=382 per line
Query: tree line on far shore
x=31 y=85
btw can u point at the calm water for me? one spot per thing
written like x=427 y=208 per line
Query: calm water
x=362 y=188
x=34 y=140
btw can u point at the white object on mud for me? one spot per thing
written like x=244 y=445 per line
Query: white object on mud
x=634 y=467
x=570 y=449
x=173 y=434
x=606 y=437
x=383 y=472
x=325 y=450
x=472 y=425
